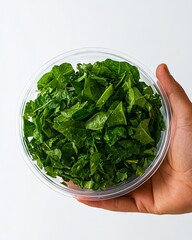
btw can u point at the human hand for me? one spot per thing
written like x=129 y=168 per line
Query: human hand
x=169 y=190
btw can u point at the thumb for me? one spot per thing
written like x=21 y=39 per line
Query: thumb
x=180 y=103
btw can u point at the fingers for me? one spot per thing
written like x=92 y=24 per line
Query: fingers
x=180 y=103
x=121 y=204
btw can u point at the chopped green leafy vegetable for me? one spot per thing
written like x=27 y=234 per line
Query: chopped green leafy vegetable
x=96 y=126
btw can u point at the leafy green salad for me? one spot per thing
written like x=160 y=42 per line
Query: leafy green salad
x=96 y=125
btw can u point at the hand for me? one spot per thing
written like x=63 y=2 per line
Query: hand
x=169 y=190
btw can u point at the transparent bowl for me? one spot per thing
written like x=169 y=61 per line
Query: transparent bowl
x=91 y=55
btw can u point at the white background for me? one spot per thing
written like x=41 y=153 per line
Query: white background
x=34 y=31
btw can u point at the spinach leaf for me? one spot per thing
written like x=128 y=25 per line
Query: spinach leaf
x=91 y=89
x=94 y=162
x=97 y=122
x=112 y=135
x=105 y=96
x=136 y=98
x=117 y=117
x=142 y=133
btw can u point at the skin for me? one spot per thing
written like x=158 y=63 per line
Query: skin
x=169 y=190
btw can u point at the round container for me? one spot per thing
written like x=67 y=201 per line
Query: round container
x=91 y=55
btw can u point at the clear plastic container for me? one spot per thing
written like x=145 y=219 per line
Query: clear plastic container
x=91 y=55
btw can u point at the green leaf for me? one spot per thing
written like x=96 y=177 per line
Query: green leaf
x=122 y=67
x=121 y=176
x=139 y=171
x=150 y=151
x=66 y=69
x=142 y=133
x=105 y=96
x=79 y=166
x=112 y=135
x=89 y=184
x=69 y=149
x=101 y=70
x=117 y=117
x=68 y=113
x=55 y=154
x=74 y=131
x=94 y=162
x=29 y=109
x=51 y=171
x=136 y=98
x=97 y=122
x=84 y=113
x=91 y=90
x=45 y=80
x=28 y=128
x=101 y=80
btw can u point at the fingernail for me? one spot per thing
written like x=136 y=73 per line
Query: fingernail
x=166 y=68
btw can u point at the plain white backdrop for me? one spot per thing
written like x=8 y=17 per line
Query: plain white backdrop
x=31 y=33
